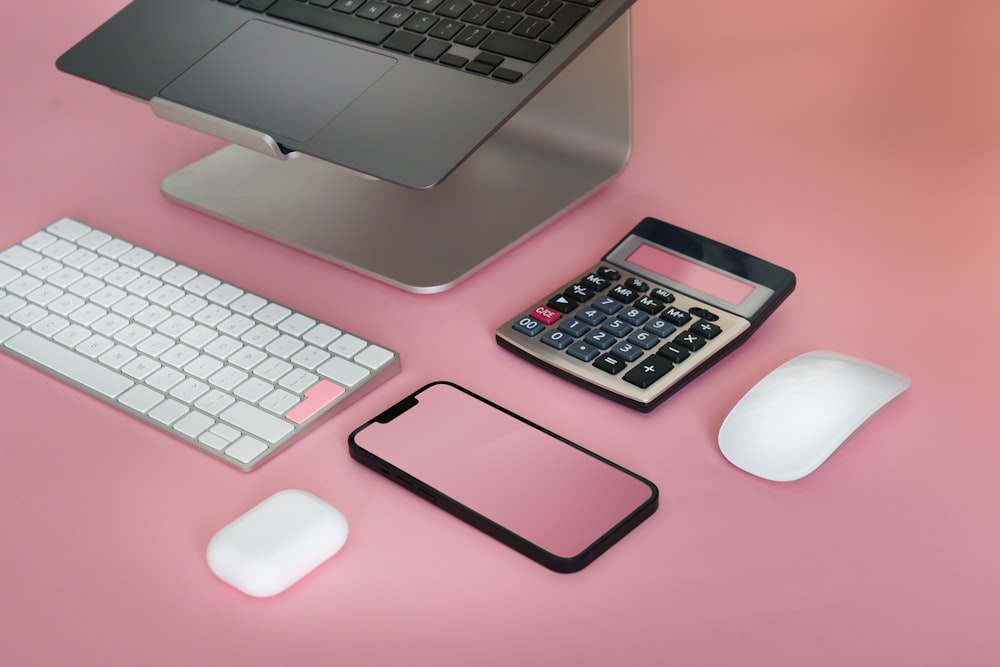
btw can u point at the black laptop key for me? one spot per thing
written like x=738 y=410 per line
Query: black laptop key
x=530 y=28
x=432 y=49
x=373 y=10
x=562 y=22
x=452 y=60
x=452 y=9
x=404 y=42
x=345 y=6
x=256 y=5
x=504 y=21
x=396 y=17
x=543 y=8
x=471 y=36
x=478 y=15
x=514 y=47
x=426 y=5
x=508 y=75
x=443 y=29
x=323 y=19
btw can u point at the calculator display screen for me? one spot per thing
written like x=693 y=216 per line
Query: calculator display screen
x=686 y=272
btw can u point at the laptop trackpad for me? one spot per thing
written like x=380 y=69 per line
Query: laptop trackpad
x=278 y=80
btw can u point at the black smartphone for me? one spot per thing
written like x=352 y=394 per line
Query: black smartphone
x=550 y=499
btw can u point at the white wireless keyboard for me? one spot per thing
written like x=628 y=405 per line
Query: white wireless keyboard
x=226 y=370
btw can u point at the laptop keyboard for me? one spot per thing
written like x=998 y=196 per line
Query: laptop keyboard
x=226 y=370
x=501 y=39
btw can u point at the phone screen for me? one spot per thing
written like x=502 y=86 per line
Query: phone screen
x=505 y=475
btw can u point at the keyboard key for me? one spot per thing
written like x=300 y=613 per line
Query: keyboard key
x=168 y=412
x=7 y=329
x=254 y=420
x=69 y=364
x=373 y=357
x=141 y=398
x=347 y=346
x=19 y=257
x=514 y=47
x=343 y=371
x=403 y=41
x=317 y=397
x=193 y=424
x=564 y=20
x=246 y=449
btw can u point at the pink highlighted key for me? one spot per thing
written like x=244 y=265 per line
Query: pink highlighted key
x=317 y=397
x=545 y=315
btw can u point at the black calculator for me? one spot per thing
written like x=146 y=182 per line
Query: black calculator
x=660 y=308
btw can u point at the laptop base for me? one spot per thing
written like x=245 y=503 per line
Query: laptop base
x=566 y=143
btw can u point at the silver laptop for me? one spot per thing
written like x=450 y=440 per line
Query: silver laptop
x=402 y=90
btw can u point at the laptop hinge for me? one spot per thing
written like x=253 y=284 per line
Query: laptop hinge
x=217 y=127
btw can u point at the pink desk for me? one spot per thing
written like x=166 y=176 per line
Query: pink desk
x=857 y=143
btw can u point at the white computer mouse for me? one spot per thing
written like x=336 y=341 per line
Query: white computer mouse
x=801 y=412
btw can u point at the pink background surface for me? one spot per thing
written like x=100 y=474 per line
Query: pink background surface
x=857 y=143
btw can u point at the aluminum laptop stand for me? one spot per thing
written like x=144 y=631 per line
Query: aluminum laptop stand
x=567 y=142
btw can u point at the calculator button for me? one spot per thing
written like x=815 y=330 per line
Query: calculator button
x=674 y=353
x=610 y=364
x=690 y=340
x=651 y=306
x=596 y=282
x=561 y=303
x=661 y=328
x=608 y=272
x=591 y=316
x=545 y=315
x=649 y=370
x=617 y=327
x=557 y=339
x=529 y=326
x=574 y=328
x=704 y=314
x=583 y=351
x=675 y=316
x=608 y=305
x=627 y=351
x=633 y=316
x=636 y=285
x=662 y=295
x=623 y=294
x=579 y=292
x=706 y=329
x=644 y=339
x=600 y=339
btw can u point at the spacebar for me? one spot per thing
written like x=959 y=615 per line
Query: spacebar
x=65 y=362
x=330 y=21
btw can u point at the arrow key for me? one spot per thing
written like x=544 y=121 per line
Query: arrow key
x=561 y=303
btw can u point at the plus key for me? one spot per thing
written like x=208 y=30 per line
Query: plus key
x=648 y=371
